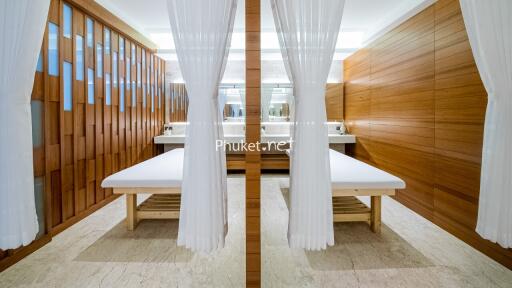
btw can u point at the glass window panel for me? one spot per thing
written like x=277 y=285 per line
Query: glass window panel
x=79 y=58
x=114 y=69
x=128 y=71
x=90 y=33
x=107 y=41
x=152 y=98
x=139 y=74
x=39 y=67
x=108 y=90
x=68 y=20
x=148 y=79
x=121 y=94
x=134 y=95
x=121 y=49
x=37 y=123
x=39 y=200
x=90 y=86
x=133 y=53
x=53 y=49
x=144 y=96
x=159 y=98
x=68 y=86
x=99 y=60
x=143 y=58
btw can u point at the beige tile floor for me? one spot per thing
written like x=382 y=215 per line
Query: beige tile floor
x=410 y=252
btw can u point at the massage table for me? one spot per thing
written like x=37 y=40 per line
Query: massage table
x=351 y=178
x=161 y=177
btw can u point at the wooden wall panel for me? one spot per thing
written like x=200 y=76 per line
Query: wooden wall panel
x=415 y=101
x=334 y=101
x=92 y=140
x=179 y=102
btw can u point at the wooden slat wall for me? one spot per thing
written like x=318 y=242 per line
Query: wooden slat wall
x=111 y=20
x=415 y=101
x=84 y=145
x=179 y=102
x=334 y=101
x=252 y=135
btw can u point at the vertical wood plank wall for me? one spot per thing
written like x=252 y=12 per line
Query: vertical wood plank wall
x=252 y=134
x=92 y=140
x=334 y=101
x=416 y=103
x=178 y=102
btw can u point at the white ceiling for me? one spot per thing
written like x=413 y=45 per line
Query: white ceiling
x=363 y=20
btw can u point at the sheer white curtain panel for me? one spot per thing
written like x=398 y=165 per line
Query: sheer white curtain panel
x=22 y=24
x=202 y=35
x=489 y=27
x=308 y=31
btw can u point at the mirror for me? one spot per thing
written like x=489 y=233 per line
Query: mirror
x=232 y=98
x=276 y=102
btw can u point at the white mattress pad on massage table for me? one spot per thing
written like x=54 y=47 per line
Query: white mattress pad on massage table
x=163 y=171
x=350 y=173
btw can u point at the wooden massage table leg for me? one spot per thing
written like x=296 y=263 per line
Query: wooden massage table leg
x=131 y=211
x=375 y=220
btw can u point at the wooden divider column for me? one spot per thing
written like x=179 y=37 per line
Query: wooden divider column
x=252 y=134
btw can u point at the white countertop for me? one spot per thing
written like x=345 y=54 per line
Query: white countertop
x=180 y=139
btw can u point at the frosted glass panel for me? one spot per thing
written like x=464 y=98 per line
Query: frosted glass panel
x=68 y=86
x=90 y=86
x=114 y=69
x=107 y=41
x=79 y=58
x=134 y=94
x=144 y=95
x=121 y=94
x=128 y=71
x=99 y=61
x=148 y=79
x=152 y=98
x=39 y=200
x=37 y=123
x=121 y=49
x=39 y=67
x=53 y=49
x=133 y=53
x=68 y=20
x=90 y=33
x=159 y=97
x=139 y=74
x=108 y=90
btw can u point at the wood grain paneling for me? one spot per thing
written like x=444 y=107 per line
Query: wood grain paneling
x=179 y=102
x=252 y=133
x=334 y=101
x=93 y=140
x=416 y=102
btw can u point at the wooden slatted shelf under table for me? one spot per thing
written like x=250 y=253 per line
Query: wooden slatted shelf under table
x=164 y=203
x=348 y=208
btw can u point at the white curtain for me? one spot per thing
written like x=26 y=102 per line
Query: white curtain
x=223 y=98
x=202 y=34
x=489 y=26
x=266 y=99
x=22 y=24
x=308 y=30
